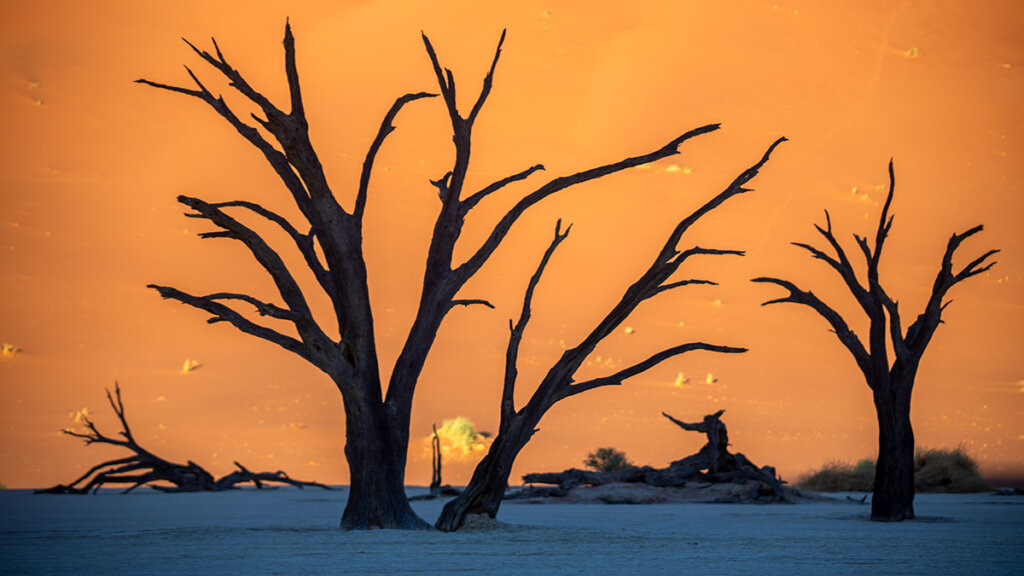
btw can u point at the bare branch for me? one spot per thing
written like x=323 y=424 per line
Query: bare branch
x=681 y=283
x=291 y=72
x=267 y=258
x=180 y=90
x=473 y=200
x=973 y=269
x=224 y=313
x=734 y=188
x=468 y=268
x=839 y=326
x=386 y=128
x=277 y=160
x=264 y=308
x=447 y=91
x=304 y=242
x=842 y=266
x=884 y=221
x=641 y=367
x=927 y=322
x=470 y=302
x=487 y=82
x=516 y=336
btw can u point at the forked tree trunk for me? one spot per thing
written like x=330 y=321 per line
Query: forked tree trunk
x=376 y=460
x=893 y=498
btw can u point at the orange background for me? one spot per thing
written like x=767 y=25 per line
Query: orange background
x=92 y=164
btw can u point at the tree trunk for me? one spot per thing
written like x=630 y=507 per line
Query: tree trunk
x=893 y=498
x=487 y=487
x=376 y=461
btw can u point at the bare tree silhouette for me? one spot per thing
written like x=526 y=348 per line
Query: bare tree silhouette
x=487 y=486
x=144 y=467
x=891 y=384
x=330 y=242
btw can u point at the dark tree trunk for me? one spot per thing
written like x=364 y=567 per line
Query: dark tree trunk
x=376 y=460
x=893 y=497
x=487 y=487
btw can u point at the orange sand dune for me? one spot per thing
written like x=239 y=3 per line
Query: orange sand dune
x=92 y=163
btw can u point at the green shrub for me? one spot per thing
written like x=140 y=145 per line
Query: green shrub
x=934 y=471
x=606 y=460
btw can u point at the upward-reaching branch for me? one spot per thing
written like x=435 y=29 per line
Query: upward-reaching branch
x=386 y=127
x=617 y=378
x=508 y=407
x=501 y=229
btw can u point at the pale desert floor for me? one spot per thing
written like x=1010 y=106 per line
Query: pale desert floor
x=288 y=531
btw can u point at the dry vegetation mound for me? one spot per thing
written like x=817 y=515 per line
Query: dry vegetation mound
x=934 y=471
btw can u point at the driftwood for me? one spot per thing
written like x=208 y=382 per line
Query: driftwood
x=713 y=464
x=144 y=467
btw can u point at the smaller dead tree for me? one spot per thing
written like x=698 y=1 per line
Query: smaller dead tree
x=144 y=467
x=436 y=488
x=892 y=383
x=489 y=482
x=435 y=452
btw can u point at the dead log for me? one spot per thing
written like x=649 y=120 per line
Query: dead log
x=712 y=464
x=144 y=467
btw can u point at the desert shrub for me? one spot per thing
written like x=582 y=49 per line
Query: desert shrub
x=947 y=471
x=606 y=460
x=836 y=476
x=935 y=470
x=2 y=486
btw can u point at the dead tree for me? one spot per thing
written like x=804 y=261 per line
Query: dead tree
x=437 y=490
x=144 y=467
x=891 y=383
x=435 y=461
x=713 y=463
x=717 y=446
x=331 y=244
x=487 y=486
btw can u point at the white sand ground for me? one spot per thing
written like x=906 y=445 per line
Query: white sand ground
x=290 y=531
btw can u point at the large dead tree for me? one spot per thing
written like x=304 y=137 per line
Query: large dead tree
x=487 y=486
x=143 y=467
x=891 y=383
x=330 y=242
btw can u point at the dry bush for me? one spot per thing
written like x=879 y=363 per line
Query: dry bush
x=935 y=470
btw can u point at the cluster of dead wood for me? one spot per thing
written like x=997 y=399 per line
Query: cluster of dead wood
x=713 y=464
x=143 y=467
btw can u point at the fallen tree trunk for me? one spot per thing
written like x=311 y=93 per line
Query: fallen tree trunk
x=144 y=467
x=713 y=464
